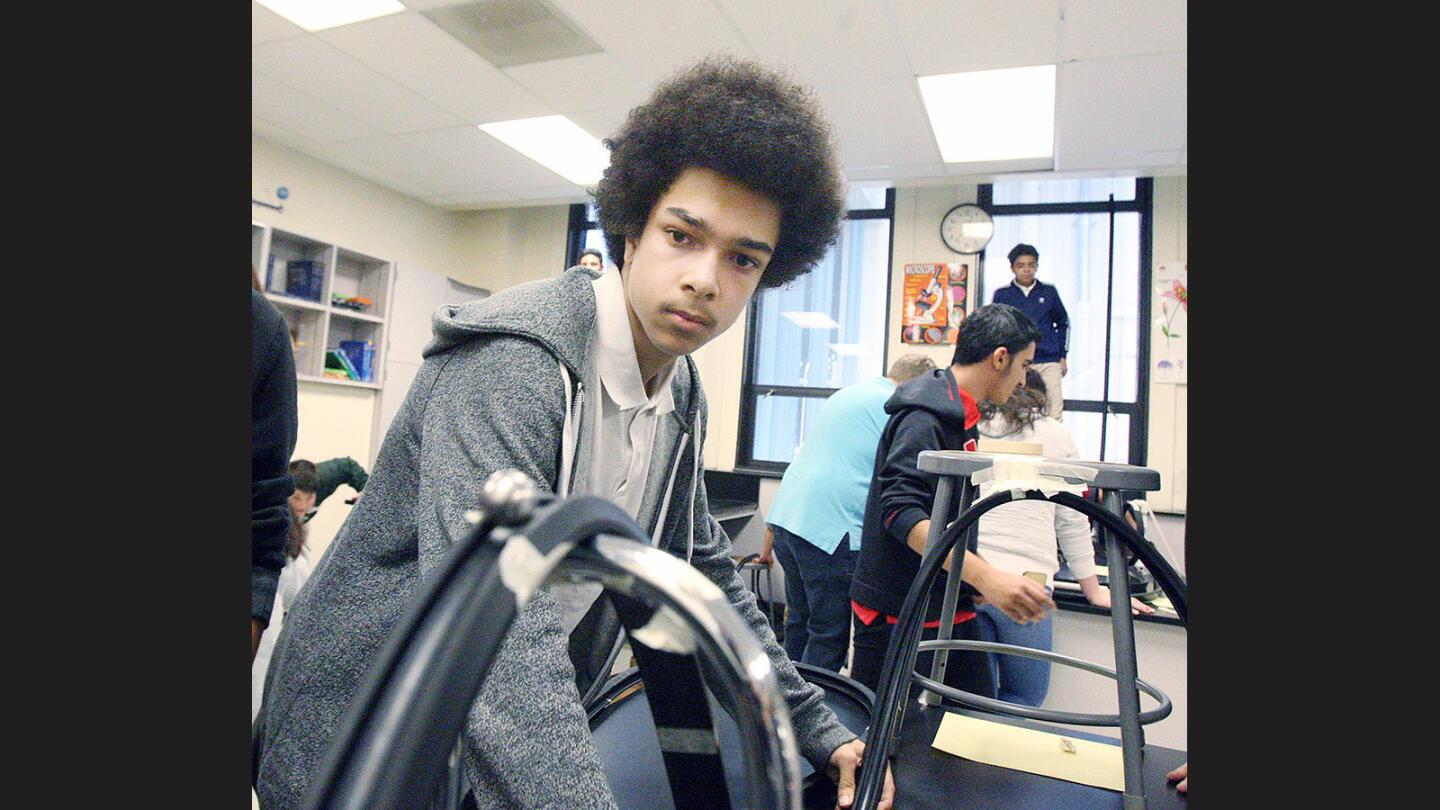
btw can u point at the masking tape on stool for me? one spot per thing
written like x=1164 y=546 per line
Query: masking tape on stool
x=666 y=632
x=1022 y=473
x=523 y=568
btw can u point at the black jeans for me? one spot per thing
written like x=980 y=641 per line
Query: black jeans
x=967 y=670
x=817 y=599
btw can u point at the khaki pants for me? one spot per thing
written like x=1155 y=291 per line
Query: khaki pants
x=1050 y=373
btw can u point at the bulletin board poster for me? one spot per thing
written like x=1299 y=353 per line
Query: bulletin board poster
x=929 y=314
x=1170 y=336
x=959 y=301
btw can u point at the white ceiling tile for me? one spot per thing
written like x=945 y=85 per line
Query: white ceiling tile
x=1131 y=161
x=342 y=157
x=1099 y=28
x=823 y=41
x=581 y=82
x=267 y=26
x=895 y=173
x=426 y=5
x=655 y=37
x=879 y=123
x=602 y=123
x=482 y=198
x=556 y=191
x=289 y=109
x=1125 y=104
x=282 y=135
x=418 y=54
x=990 y=167
x=480 y=156
x=317 y=68
x=951 y=36
x=407 y=163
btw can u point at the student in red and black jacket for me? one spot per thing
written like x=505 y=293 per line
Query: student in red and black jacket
x=938 y=411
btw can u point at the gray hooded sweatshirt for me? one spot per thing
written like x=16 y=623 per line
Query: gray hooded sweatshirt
x=501 y=387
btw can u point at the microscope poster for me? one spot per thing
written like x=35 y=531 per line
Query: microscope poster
x=1170 y=335
x=934 y=302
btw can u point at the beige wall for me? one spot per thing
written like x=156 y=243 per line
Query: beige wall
x=502 y=247
x=918 y=212
x=493 y=249
x=334 y=421
x=1169 y=403
x=335 y=206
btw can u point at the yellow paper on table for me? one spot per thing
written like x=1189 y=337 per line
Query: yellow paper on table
x=1039 y=752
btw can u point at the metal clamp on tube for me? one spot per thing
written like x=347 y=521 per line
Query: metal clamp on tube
x=899 y=659
x=392 y=747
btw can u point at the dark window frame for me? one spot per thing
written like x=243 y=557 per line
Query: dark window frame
x=575 y=238
x=751 y=393
x=1143 y=204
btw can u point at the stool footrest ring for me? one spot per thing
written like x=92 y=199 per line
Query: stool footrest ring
x=1048 y=715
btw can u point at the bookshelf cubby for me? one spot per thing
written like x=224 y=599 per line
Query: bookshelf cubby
x=328 y=294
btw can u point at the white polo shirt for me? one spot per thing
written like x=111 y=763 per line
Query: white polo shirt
x=624 y=424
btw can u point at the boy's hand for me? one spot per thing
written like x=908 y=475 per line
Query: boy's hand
x=1022 y=599
x=843 y=763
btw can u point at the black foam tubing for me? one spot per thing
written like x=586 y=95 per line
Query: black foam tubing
x=893 y=678
x=392 y=746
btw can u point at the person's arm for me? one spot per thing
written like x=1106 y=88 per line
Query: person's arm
x=767 y=548
x=817 y=731
x=273 y=426
x=1100 y=597
x=1020 y=598
x=350 y=472
x=528 y=722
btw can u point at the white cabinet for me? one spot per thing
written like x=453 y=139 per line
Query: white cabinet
x=334 y=299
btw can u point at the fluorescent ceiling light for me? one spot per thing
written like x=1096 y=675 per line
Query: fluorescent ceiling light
x=317 y=15
x=811 y=320
x=991 y=115
x=557 y=143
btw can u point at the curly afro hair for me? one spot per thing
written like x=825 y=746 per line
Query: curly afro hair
x=746 y=122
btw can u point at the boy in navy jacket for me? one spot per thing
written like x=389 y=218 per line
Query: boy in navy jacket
x=1041 y=303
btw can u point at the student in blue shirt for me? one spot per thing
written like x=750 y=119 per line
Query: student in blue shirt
x=814 y=524
x=1042 y=303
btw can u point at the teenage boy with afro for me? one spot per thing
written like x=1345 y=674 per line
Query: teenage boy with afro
x=723 y=183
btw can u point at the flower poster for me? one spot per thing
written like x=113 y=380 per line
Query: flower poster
x=1171 y=333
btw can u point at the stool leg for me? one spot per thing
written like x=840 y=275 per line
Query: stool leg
x=1123 y=627
x=952 y=581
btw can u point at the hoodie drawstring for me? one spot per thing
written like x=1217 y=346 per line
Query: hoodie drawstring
x=570 y=432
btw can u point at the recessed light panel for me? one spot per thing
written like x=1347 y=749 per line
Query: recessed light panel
x=318 y=15
x=557 y=143
x=991 y=115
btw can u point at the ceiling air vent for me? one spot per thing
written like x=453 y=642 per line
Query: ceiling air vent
x=513 y=32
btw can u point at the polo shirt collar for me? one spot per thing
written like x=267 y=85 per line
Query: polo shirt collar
x=615 y=350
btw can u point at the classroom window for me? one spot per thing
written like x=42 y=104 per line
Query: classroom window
x=1098 y=260
x=584 y=233
x=824 y=331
